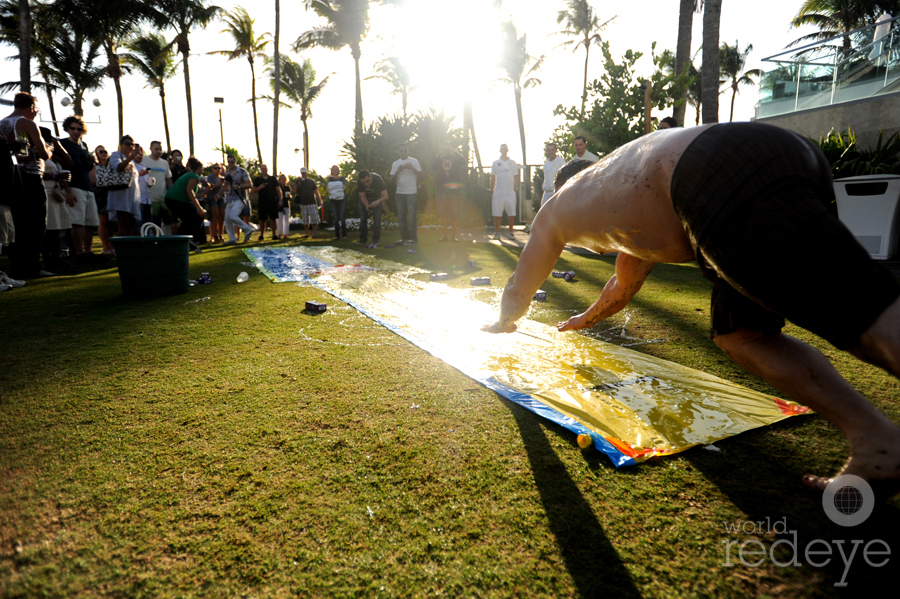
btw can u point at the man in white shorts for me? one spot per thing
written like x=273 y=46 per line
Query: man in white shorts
x=504 y=189
x=81 y=205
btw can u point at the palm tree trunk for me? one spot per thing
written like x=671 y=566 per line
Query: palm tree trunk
x=712 y=12
x=187 y=95
x=518 y=92
x=277 y=88
x=587 y=54
x=162 y=97
x=24 y=46
x=114 y=72
x=683 y=49
x=359 y=113
x=253 y=103
x=469 y=124
x=305 y=145
x=734 y=90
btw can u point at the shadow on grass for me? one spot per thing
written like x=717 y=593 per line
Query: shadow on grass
x=590 y=558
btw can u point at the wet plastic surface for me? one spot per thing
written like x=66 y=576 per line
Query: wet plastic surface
x=633 y=406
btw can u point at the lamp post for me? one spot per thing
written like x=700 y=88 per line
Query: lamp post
x=221 y=101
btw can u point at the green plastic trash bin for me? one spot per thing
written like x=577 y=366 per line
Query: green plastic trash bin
x=153 y=266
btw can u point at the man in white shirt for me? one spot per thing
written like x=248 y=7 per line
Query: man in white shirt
x=406 y=172
x=504 y=187
x=158 y=181
x=581 y=152
x=143 y=185
x=551 y=166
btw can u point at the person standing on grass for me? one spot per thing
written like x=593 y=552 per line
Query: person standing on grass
x=177 y=167
x=406 y=173
x=160 y=180
x=268 y=192
x=82 y=206
x=449 y=172
x=749 y=202
x=552 y=165
x=372 y=195
x=337 y=190
x=29 y=207
x=504 y=190
x=101 y=156
x=237 y=181
x=182 y=199
x=310 y=200
x=144 y=187
x=284 y=215
x=126 y=203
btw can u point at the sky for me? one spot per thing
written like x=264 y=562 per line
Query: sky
x=451 y=50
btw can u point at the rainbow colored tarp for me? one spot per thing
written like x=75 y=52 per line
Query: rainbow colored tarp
x=632 y=405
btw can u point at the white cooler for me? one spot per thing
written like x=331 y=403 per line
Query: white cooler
x=867 y=205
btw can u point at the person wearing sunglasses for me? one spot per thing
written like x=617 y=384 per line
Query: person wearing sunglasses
x=82 y=206
x=126 y=203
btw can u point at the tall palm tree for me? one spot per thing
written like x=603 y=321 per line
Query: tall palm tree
x=183 y=16
x=44 y=30
x=695 y=91
x=391 y=69
x=712 y=12
x=277 y=78
x=152 y=56
x=686 y=12
x=581 y=22
x=348 y=24
x=731 y=65
x=110 y=22
x=296 y=83
x=834 y=17
x=70 y=62
x=25 y=45
x=518 y=65
x=249 y=45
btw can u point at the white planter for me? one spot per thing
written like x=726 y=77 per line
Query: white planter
x=868 y=205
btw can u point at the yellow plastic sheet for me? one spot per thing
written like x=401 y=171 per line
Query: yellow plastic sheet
x=633 y=406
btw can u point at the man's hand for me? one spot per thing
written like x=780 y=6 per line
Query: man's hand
x=576 y=323
x=70 y=198
x=497 y=327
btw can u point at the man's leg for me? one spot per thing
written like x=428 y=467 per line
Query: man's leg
x=512 y=221
x=413 y=222
x=376 y=229
x=497 y=224
x=401 y=215
x=803 y=374
x=363 y=223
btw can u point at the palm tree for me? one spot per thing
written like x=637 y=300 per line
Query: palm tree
x=581 y=22
x=183 y=16
x=391 y=69
x=834 y=17
x=731 y=62
x=695 y=91
x=518 y=65
x=111 y=23
x=249 y=45
x=152 y=56
x=348 y=24
x=44 y=30
x=712 y=11
x=25 y=45
x=683 y=47
x=297 y=85
x=70 y=66
x=277 y=78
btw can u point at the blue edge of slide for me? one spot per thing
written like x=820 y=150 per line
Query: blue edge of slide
x=523 y=399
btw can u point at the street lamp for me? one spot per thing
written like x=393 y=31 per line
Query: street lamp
x=220 y=101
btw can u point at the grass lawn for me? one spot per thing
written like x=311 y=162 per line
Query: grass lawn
x=224 y=443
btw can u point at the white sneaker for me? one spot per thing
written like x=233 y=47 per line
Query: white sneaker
x=247 y=235
x=5 y=279
x=5 y=287
x=496 y=236
x=511 y=236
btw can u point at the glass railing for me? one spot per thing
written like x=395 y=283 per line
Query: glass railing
x=859 y=64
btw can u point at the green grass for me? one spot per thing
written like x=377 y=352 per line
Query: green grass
x=237 y=446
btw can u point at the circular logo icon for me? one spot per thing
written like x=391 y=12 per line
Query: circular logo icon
x=848 y=500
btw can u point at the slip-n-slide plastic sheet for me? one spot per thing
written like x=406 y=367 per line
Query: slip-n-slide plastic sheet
x=632 y=405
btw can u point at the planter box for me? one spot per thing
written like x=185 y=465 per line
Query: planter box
x=868 y=205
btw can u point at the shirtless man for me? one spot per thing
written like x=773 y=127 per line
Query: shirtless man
x=747 y=201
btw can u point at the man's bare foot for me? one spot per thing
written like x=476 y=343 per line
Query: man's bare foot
x=881 y=471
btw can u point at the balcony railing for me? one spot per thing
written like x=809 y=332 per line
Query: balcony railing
x=859 y=64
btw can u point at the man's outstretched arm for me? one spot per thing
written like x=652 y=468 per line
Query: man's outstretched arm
x=535 y=264
x=630 y=274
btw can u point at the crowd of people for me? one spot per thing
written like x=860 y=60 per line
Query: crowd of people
x=57 y=193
